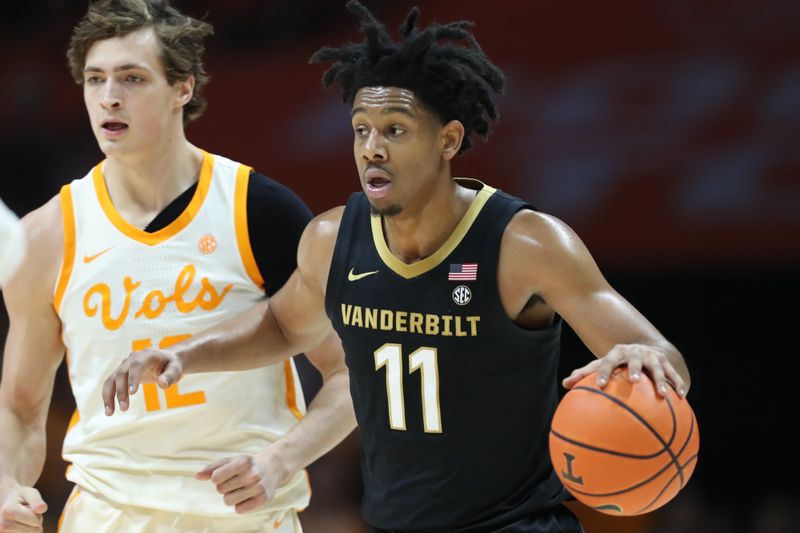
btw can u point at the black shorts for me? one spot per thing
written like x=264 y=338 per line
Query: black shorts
x=557 y=519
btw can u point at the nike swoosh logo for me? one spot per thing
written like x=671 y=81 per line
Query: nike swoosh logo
x=90 y=258
x=355 y=277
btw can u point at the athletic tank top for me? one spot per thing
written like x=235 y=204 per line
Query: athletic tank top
x=123 y=289
x=453 y=399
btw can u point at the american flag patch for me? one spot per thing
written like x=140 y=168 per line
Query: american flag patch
x=463 y=272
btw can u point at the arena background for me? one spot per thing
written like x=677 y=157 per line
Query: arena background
x=664 y=131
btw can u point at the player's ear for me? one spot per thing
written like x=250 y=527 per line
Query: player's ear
x=185 y=90
x=452 y=137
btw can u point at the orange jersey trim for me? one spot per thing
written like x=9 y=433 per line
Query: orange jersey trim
x=76 y=417
x=291 y=393
x=175 y=226
x=75 y=493
x=242 y=232
x=68 y=258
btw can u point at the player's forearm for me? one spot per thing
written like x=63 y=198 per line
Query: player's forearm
x=22 y=449
x=330 y=418
x=250 y=340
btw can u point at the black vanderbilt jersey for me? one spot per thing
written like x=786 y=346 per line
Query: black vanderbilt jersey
x=453 y=399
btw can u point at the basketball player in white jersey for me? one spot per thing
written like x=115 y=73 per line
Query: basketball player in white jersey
x=154 y=244
x=12 y=243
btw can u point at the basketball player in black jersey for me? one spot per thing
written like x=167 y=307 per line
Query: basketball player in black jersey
x=448 y=296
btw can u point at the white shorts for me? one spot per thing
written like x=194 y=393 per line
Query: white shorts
x=86 y=512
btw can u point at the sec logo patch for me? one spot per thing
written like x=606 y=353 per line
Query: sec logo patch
x=462 y=295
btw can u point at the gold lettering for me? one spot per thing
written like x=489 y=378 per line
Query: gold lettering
x=400 y=320
x=346 y=310
x=447 y=332
x=459 y=332
x=431 y=324
x=357 y=316
x=371 y=318
x=415 y=323
x=387 y=318
x=473 y=323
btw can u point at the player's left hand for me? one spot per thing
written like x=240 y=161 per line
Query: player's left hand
x=246 y=481
x=636 y=356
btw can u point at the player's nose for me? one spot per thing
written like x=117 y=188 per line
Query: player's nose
x=374 y=148
x=111 y=98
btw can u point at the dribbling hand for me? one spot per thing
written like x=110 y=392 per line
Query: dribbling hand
x=146 y=366
x=637 y=357
x=22 y=510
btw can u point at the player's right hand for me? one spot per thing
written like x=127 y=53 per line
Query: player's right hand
x=21 y=511
x=146 y=366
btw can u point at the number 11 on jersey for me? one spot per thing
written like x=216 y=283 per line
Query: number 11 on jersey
x=425 y=360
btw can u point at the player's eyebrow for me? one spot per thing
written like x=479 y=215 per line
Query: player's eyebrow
x=384 y=111
x=119 y=68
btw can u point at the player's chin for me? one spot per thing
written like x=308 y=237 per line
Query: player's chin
x=384 y=209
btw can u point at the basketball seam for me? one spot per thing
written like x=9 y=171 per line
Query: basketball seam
x=647 y=424
x=689 y=460
x=646 y=481
x=666 y=444
x=626 y=489
x=603 y=450
x=680 y=472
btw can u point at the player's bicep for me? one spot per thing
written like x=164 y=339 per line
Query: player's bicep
x=299 y=307
x=33 y=347
x=566 y=276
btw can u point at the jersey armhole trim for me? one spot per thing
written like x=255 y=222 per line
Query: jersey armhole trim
x=242 y=231
x=291 y=391
x=68 y=257
x=71 y=500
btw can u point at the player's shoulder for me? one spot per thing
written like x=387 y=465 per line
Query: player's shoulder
x=44 y=233
x=325 y=226
x=319 y=240
x=44 y=226
x=536 y=236
x=269 y=195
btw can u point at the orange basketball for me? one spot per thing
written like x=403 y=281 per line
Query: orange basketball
x=623 y=450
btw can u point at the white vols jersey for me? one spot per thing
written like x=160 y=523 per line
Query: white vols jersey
x=122 y=289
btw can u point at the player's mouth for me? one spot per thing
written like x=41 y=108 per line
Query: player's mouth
x=113 y=128
x=377 y=181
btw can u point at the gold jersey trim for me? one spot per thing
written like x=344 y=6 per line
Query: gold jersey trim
x=413 y=270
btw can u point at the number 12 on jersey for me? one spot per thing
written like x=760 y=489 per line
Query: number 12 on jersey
x=425 y=360
x=173 y=396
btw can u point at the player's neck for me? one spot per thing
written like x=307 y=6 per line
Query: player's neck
x=417 y=233
x=141 y=185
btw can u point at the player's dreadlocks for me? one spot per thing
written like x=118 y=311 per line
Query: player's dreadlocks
x=451 y=81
